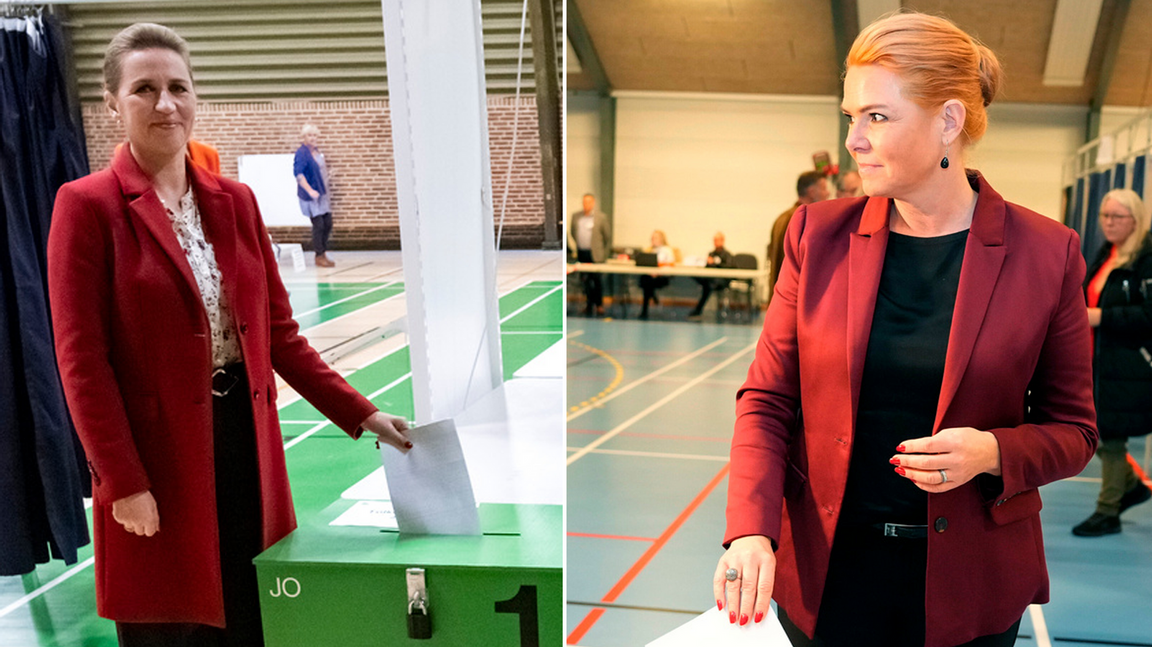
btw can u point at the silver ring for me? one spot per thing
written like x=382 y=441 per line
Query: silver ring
x=943 y=477
x=731 y=575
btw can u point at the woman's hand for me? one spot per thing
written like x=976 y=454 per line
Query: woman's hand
x=962 y=452
x=314 y=193
x=1094 y=317
x=389 y=429
x=748 y=596
x=137 y=513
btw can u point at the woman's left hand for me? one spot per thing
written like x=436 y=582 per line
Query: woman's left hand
x=389 y=429
x=961 y=452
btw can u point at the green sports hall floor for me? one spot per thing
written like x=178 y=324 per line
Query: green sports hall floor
x=55 y=605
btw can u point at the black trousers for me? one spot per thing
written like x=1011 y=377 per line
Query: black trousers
x=593 y=282
x=238 y=514
x=874 y=595
x=707 y=286
x=321 y=232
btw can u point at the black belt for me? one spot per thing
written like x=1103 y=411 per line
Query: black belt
x=903 y=531
x=226 y=377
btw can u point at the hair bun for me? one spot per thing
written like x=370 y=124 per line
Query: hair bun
x=990 y=73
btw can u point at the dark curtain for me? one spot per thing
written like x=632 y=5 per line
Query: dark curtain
x=42 y=479
x=1076 y=209
x=1138 y=175
x=1120 y=175
x=1092 y=235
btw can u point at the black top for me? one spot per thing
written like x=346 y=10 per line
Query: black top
x=724 y=255
x=903 y=371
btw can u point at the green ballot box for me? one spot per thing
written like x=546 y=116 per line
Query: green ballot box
x=348 y=586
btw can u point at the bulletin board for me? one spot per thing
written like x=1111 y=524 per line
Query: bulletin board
x=271 y=179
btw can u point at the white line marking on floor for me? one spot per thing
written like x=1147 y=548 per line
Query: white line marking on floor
x=297 y=315
x=576 y=334
x=295 y=441
x=47 y=587
x=625 y=452
x=657 y=373
x=398 y=380
x=532 y=303
x=656 y=405
x=1039 y=627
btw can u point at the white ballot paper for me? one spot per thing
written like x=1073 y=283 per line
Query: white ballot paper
x=713 y=629
x=372 y=514
x=429 y=486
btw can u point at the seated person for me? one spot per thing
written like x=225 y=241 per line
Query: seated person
x=665 y=256
x=718 y=257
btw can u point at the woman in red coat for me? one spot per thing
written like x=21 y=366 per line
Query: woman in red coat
x=923 y=369
x=169 y=318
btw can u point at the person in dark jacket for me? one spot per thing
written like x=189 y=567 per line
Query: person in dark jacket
x=718 y=257
x=1119 y=294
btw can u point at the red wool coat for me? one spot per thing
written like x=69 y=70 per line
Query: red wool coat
x=134 y=350
x=1019 y=325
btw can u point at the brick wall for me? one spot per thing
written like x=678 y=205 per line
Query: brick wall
x=357 y=143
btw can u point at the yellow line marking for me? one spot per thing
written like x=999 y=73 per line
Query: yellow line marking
x=611 y=385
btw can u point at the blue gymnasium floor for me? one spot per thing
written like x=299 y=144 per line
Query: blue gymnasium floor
x=646 y=502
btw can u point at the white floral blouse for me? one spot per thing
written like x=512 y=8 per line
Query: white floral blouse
x=190 y=232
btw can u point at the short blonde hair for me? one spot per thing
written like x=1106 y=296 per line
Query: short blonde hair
x=308 y=129
x=936 y=60
x=1130 y=200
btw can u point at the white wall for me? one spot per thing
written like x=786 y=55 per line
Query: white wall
x=581 y=151
x=692 y=164
x=1023 y=152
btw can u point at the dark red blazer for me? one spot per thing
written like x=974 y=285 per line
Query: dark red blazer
x=134 y=351
x=1017 y=365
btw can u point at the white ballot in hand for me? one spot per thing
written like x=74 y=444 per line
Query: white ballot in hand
x=429 y=486
x=713 y=629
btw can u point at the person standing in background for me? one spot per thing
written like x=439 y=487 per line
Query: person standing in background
x=848 y=185
x=1120 y=313
x=811 y=187
x=311 y=171
x=588 y=235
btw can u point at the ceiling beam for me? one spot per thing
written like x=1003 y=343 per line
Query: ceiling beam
x=1107 y=67
x=585 y=50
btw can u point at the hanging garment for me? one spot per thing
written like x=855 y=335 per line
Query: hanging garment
x=42 y=480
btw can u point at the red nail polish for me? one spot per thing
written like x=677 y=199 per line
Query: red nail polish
x=894 y=461
x=900 y=448
x=719 y=605
x=759 y=617
x=732 y=617
x=408 y=445
x=743 y=619
x=900 y=471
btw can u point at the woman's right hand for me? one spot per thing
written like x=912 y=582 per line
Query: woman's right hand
x=748 y=596
x=137 y=513
x=314 y=193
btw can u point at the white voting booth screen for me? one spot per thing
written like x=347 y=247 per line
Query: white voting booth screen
x=271 y=179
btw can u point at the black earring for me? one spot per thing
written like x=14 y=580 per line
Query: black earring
x=944 y=162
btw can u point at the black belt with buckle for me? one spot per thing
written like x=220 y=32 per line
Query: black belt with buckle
x=901 y=530
x=225 y=378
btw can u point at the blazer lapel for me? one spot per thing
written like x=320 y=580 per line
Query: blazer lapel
x=145 y=205
x=865 y=263
x=983 y=258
